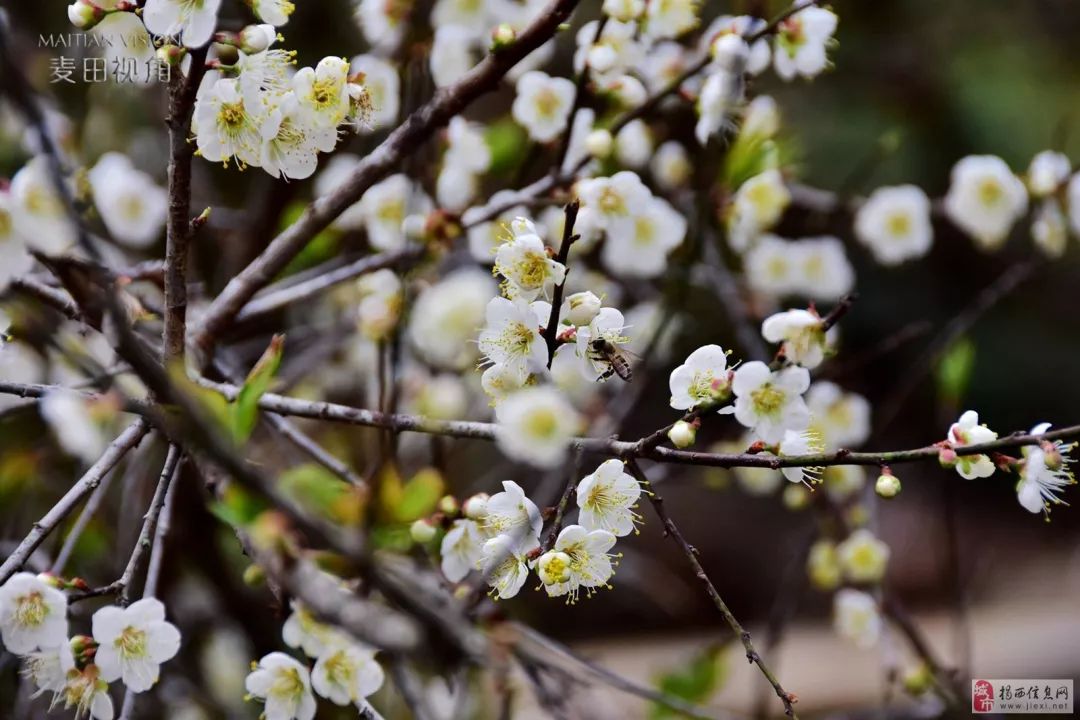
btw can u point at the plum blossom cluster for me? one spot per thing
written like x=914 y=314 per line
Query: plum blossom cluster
x=500 y=537
x=1044 y=470
x=128 y=644
x=345 y=672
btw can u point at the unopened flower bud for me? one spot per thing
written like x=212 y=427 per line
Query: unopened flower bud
x=422 y=531
x=582 y=307
x=888 y=485
x=602 y=58
x=598 y=143
x=84 y=14
x=628 y=91
x=171 y=55
x=917 y=680
x=553 y=567
x=947 y=457
x=730 y=51
x=254 y=576
x=227 y=55
x=796 y=497
x=257 y=38
x=682 y=434
x=623 y=10
x=449 y=505
x=476 y=506
x=502 y=36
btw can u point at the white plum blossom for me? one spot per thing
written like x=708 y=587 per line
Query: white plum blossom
x=512 y=514
x=291 y=151
x=447 y=316
x=466 y=146
x=535 y=425
x=33 y=614
x=671 y=18
x=801 y=43
x=71 y=420
x=634 y=145
x=133 y=642
x=822 y=269
x=383 y=22
x=462 y=550
x=511 y=338
x=505 y=565
x=48 y=667
x=744 y=26
x=720 y=95
x=274 y=12
x=801 y=442
x=842 y=418
x=761 y=118
x=485 y=237
x=581 y=308
x=670 y=165
x=608 y=58
x=301 y=630
x=801 y=333
x=347 y=673
x=227 y=128
x=968 y=431
x=589 y=563
x=856 y=617
x=474 y=17
x=894 y=223
x=387 y=205
x=658 y=228
x=380 y=303
x=1048 y=171
x=192 y=21
x=985 y=198
x=86 y=693
x=322 y=93
x=383 y=87
x=606 y=499
x=757 y=206
x=453 y=53
x=284 y=686
x=770 y=402
x=702 y=379
x=542 y=104
x=770 y=266
x=842 y=482
x=613 y=202
x=1044 y=474
x=863 y=557
x=1048 y=229
x=39 y=215
x=524 y=263
x=132 y=206
x=822 y=565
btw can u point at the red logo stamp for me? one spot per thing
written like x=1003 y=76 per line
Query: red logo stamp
x=982 y=696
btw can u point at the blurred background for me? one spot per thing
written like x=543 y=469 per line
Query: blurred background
x=916 y=86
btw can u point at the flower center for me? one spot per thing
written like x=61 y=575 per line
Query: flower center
x=340 y=669
x=777 y=267
x=767 y=399
x=611 y=203
x=898 y=224
x=542 y=424
x=547 y=104
x=132 y=643
x=231 y=115
x=701 y=386
x=287 y=684
x=31 y=610
x=990 y=192
x=532 y=270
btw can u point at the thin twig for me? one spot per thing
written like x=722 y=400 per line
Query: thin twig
x=149 y=528
x=551 y=332
x=672 y=530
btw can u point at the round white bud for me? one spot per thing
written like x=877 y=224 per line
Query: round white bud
x=598 y=143
x=682 y=434
x=887 y=486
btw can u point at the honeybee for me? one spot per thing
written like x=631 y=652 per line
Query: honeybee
x=604 y=350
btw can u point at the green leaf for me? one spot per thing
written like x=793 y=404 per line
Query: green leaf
x=695 y=682
x=245 y=411
x=323 y=492
x=215 y=408
x=237 y=507
x=420 y=495
x=320 y=248
x=954 y=370
x=506 y=140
